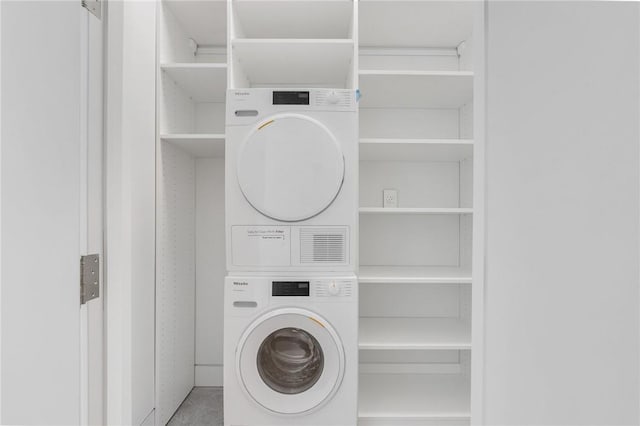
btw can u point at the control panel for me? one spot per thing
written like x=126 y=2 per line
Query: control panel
x=249 y=105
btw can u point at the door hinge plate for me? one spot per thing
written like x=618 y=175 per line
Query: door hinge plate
x=89 y=277
x=94 y=7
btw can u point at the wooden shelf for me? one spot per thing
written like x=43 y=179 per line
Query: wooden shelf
x=415 y=24
x=415 y=210
x=396 y=398
x=380 y=149
x=414 y=334
x=413 y=275
x=415 y=89
x=295 y=62
x=198 y=145
x=203 y=82
x=294 y=18
x=203 y=21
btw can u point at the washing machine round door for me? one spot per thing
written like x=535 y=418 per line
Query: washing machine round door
x=290 y=361
x=290 y=167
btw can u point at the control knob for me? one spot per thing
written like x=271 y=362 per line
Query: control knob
x=333 y=288
x=333 y=97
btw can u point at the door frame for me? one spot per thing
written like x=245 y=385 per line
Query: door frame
x=130 y=138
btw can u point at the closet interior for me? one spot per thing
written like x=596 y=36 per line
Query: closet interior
x=413 y=63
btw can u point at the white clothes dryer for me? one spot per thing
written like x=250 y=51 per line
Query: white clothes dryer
x=290 y=351
x=291 y=180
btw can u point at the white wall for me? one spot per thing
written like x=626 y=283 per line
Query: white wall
x=562 y=316
x=130 y=215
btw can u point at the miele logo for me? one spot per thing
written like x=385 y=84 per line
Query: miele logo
x=242 y=93
x=244 y=283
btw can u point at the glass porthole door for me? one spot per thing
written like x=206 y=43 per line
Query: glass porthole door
x=290 y=361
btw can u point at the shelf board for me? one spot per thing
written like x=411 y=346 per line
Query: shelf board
x=294 y=18
x=203 y=21
x=291 y=62
x=203 y=82
x=413 y=275
x=414 y=23
x=198 y=145
x=413 y=396
x=414 y=334
x=379 y=149
x=415 y=89
x=415 y=210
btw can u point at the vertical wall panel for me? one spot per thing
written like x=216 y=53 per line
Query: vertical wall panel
x=175 y=280
x=562 y=319
x=210 y=270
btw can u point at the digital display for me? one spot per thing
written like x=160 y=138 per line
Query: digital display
x=290 y=98
x=290 y=288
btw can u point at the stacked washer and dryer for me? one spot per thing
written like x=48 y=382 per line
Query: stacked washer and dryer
x=291 y=294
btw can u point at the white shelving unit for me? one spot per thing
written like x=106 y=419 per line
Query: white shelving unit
x=291 y=19
x=414 y=275
x=405 y=399
x=292 y=62
x=417 y=136
x=390 y=149
x=414 y=334
x=198 y=145
x=202 y=82
x=415 y=88
x=190 y=261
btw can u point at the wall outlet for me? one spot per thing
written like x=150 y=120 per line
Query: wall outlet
x=390 y=198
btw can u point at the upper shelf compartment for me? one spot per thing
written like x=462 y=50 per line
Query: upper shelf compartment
x=415 y=89
x=399 y=23
x=192 y=31
x=301 y=19
x=206 y=82
x=205 y=21
x=292 y=62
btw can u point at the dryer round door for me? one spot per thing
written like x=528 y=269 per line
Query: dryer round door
x=290 y=361
x=290 y=167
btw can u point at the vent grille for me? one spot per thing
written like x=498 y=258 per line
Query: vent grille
x=323 y=246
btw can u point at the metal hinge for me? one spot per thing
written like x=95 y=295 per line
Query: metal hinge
x=94 y=7
x=89 y=277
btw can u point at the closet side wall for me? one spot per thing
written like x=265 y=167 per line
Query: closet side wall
x=562 y=311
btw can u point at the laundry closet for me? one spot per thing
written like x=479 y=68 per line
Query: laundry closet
x=418 y=68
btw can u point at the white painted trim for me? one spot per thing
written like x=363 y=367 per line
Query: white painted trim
x=1 y=215
x=83 y=206
x=118 y=352
x=479 y=222
x=130 y=211
x=208 y=375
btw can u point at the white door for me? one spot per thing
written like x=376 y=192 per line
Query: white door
x=50 y=212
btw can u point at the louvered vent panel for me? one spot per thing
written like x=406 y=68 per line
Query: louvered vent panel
x=323 y=245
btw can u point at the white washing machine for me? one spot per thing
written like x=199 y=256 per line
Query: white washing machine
x=290 y=351
x=291 y=180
